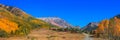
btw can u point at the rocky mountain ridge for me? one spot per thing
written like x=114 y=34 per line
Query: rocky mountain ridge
x=56 y=21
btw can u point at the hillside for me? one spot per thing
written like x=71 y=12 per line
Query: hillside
x=90 y=27
x=14 y=21
x=109 y=28
x=56 y=21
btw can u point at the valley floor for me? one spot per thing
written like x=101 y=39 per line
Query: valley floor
x=44 y=34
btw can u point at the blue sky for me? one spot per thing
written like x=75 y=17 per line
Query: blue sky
x=76 y=12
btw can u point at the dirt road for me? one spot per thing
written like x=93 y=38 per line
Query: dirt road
x=87 y=37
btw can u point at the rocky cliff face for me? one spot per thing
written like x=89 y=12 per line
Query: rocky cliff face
x=90 y=27
x=13 y=10
x=56 y=21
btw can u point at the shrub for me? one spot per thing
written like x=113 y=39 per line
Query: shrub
x=3 y=33
x=70 y=29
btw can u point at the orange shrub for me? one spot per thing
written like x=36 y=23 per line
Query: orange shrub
x=7 y=25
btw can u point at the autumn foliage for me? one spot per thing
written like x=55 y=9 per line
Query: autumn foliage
x=17 y=22
x=8 y=26
x=109 y=28
x=102 y=26
x=116 y=26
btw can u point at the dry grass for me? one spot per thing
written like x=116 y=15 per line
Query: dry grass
x=45 y=34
